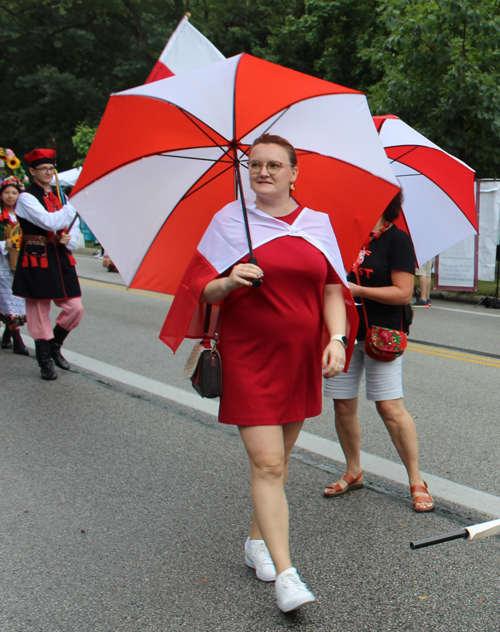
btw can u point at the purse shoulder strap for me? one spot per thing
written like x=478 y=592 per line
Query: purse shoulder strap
x=363 y=303
x=206 y=324
x=360 y=298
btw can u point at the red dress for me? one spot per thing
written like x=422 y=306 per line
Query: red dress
x=270 y=337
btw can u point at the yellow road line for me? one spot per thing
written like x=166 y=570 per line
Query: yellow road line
x=454 y=355
x=441 y=353
x=122 y=288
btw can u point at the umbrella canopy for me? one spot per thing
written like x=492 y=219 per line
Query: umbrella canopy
x=439 y=201
x=163 y=161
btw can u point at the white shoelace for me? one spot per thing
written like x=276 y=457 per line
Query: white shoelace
x=292 y=581
x=261 y=553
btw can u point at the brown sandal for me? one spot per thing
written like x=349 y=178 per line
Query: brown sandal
x=336 y=489
x=425 y=497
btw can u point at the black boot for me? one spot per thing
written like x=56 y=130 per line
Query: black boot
x=56 y=344
x=19 y=346
x=44 y=357
x=6 y=343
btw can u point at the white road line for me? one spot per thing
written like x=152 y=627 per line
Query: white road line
x=448 y=490
x=465 y=311
x=445 y=489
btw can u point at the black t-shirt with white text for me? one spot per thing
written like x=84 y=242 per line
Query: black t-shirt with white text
x=393 y=250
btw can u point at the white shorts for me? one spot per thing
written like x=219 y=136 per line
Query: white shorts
x=426 y=269
x=384 y=380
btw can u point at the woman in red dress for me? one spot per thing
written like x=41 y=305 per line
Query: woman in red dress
x=273 y=357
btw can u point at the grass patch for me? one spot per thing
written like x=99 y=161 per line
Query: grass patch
x=483 y=289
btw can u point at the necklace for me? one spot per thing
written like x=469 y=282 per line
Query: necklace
x=384 y=229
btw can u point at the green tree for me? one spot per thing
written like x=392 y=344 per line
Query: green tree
x=326 y=38
x=83 y=138
x=60 y=60
x=241 y=26
x=441 y=72
x=435 y=63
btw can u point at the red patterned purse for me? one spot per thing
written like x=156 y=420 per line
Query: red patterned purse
x=381 y=343
x=384 y=344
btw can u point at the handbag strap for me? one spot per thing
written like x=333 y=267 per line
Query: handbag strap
x=363 y=303
x=206 y=324
x=360 y=298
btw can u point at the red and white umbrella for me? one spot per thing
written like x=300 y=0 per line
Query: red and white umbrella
x=439 y=199
x=166 y=155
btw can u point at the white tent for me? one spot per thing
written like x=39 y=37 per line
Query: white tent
x=67 y=178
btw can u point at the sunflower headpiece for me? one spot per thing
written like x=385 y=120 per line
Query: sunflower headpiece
x=10 y=165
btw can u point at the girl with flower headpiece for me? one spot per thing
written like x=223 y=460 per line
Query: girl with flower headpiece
x=12 y=308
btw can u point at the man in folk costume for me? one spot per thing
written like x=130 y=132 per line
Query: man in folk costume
x=46 y=268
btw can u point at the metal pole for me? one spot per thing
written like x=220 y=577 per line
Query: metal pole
x=255 y=282
x=446 y=537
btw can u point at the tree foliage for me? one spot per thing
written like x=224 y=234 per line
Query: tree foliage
x=441 y=73
x=60 y=60
x=82 y=140
x=434 y=63
x=325 y=38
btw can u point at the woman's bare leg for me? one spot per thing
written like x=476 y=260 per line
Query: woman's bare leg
x=401 y=427
x=349 y=434
x=268 y=449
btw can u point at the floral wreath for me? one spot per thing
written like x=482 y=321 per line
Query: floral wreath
x=13 y=182
x=10 y=165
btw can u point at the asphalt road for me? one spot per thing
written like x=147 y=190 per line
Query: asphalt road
x=122 y=510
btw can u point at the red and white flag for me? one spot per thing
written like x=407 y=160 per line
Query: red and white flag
x=187 y=49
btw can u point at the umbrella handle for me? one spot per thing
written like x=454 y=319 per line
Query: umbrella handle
x=437 y=539
x=255 y=282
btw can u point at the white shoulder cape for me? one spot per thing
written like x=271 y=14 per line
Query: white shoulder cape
x=225 y=242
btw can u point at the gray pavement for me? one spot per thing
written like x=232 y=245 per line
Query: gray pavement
x=120 y=510
x=127 y=513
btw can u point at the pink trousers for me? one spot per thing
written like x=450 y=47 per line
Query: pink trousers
x=38 y=316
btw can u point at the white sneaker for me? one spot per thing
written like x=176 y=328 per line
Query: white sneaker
x=291 y=592
x=257 y=556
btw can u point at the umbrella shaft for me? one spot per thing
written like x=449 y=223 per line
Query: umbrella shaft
x=255 y=282
x=446 y=537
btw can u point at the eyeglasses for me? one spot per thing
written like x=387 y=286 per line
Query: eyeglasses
x=46 y=169
x=272 y=167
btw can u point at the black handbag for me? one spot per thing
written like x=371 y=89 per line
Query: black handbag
x=204 y=366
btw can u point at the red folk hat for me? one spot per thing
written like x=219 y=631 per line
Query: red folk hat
x=41 y=157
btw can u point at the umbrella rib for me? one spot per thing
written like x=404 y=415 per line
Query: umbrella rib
x=412 y=175
x=275 y=121
x=214 y=160
x=403 y=155
x=194 y=121
x=192 y=191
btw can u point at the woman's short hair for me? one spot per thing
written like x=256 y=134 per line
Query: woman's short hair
x=271 y=139
x=393 y=209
